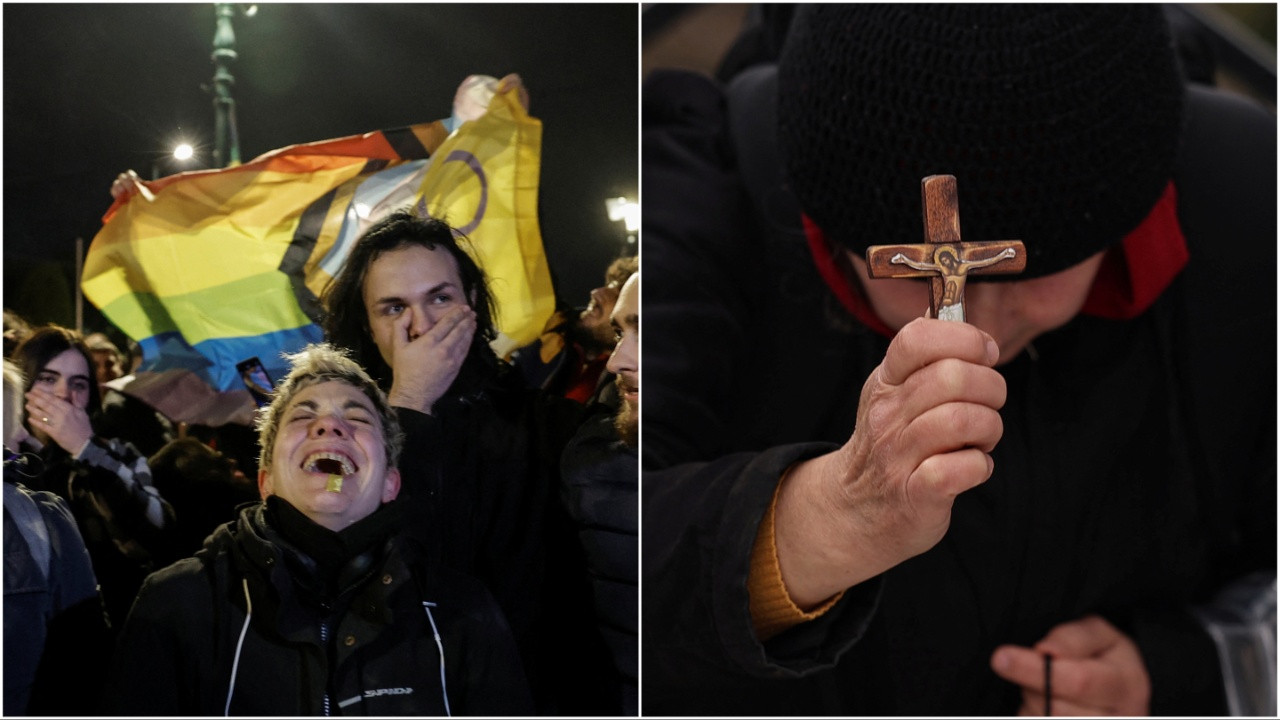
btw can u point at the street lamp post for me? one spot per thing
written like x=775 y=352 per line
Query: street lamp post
x=226 y=149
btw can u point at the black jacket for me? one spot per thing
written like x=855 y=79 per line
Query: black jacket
x=1136 y=474
x=602 y=493
x=369 y=650
x=481 y=476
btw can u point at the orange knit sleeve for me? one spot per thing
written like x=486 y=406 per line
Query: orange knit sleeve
x=772 y=610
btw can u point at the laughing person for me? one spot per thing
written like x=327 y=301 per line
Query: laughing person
x=311 y=602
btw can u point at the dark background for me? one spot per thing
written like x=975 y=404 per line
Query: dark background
x=93 y=90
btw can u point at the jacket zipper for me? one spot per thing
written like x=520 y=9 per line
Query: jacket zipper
x=324 y=642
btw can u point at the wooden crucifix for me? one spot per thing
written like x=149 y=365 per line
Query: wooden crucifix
x=943 y=257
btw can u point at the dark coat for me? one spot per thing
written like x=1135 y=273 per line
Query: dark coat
x=54 y=624
x=602 y=493
x=482 y=479
x=368 y=651
x=1136 y=474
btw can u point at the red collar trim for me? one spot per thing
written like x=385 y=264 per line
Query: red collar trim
x=1132 y=275
x=835 y=270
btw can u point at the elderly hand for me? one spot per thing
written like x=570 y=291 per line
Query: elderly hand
x=62 y=422
x=927 y=417
x=1096 y=670
x=424 y=367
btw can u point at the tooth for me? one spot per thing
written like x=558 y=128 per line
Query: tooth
x=312 y=462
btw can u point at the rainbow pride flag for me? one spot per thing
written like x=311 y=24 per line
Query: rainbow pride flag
x=205 y=269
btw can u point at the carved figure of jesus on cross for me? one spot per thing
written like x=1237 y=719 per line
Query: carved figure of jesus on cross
x=943 y=257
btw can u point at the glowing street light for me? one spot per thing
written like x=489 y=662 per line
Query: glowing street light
x=628 y=212
x=620 y=208
x=176 y=160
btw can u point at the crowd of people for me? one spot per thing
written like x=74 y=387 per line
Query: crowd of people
x=853 y=506
x=416 y=531
x=1056 y=498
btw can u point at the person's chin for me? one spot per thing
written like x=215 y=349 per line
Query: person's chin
x=627 y=425
x=325 y=501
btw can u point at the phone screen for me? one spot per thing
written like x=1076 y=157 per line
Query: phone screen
x=256 y=380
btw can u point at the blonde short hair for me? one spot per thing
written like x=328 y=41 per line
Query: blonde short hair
x=315 y=364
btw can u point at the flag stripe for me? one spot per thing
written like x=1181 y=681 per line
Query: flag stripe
x=214 y=361
x=381 y=193
x=294 y=262
x=406 y=144
x=267 y=347
x=247 y=306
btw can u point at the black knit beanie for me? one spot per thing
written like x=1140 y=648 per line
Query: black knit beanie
x=1060 y=122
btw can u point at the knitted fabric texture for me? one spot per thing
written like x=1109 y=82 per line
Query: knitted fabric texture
x=1060 y=122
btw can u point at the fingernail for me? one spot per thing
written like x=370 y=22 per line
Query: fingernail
x=993 y=351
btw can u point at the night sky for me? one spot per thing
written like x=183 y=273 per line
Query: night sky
x=92 y=90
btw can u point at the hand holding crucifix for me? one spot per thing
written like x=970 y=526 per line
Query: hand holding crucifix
x=872 y=504
x=943 y=257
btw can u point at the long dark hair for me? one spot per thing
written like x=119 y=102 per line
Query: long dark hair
x=48 y=342
x=346 y=323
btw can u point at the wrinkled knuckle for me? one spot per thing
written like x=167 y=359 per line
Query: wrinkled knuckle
x=951 y=378
x=879 y=408
x=962 y=416
x=875 y=385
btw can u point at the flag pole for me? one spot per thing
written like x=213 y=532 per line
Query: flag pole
x=226 y=150
x=79 y=292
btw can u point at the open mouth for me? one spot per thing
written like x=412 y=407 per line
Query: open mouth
x=329 y=463
x=627 y=385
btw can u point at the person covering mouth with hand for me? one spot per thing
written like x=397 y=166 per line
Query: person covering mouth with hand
x=312 y=602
